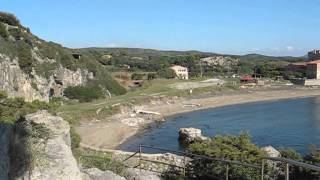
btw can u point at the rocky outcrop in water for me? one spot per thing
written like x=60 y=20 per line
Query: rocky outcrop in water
x=271 y=151
x=191 y=135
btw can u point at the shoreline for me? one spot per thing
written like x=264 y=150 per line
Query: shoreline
x=118 y=133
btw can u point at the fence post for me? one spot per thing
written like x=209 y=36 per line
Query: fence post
x=184 y=165
x=262 y=169
x=140 y=158
x=227 y=171
x=287 y=171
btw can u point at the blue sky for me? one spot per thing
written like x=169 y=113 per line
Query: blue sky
x=272 y=27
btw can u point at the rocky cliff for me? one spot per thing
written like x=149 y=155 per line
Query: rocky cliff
x=36 y=87
x=36 y=69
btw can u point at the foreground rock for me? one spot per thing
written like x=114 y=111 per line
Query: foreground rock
x=271 y=151
x=136 y=174
x=191 y=135
x=5 y=135
x=57 y=161
x=96 y=174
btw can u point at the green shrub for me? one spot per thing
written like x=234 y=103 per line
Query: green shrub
x=137 y=76
x=236 y=148
x=75 y=138
x=25 y=58
x=151 y=76
x=16 y=33
x=12 y=109
x=290 y=154
x=167 y=73
x=83 y=93
x=104 y=80
x=102 y=161
x=3 y=31
x=9 y=19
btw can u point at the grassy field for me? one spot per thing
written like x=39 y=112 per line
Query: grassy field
x=99 y=109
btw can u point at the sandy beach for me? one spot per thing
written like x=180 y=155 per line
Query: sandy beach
x=111 y=132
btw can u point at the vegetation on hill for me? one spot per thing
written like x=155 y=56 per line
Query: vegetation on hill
x=234 y=148
x=83 y=93
x=9 y=19
x=13 y=109
x=17 y=41
x=241 y=149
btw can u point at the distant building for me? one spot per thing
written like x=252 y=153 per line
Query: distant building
x=313 y=70
x=297 y=67
x=314 y=55
x=181 y=72
x=107 y=56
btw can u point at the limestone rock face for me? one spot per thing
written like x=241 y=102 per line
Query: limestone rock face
x=32 y=87
x=271 y=151
x=96 y=174
x=72 y=78
x=16 y=83
x=59 y=161
x=224 y=61
x=190 y=135
x=5 y=134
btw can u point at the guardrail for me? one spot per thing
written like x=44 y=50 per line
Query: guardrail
x=261 y=168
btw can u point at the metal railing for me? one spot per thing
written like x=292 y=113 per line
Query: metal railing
x=227 y=163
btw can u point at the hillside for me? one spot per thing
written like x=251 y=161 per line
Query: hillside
x=35 y=69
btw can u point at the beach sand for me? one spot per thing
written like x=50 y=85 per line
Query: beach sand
x=109 y=133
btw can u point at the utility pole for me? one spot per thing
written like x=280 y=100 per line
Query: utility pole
x=201 y=68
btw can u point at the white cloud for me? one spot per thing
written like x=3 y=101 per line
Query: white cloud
x=112 y=45
x=290 y=48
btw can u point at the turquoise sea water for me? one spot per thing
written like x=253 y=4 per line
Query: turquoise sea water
x=293 y=123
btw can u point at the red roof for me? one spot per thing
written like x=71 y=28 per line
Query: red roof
x=299 y=64
x=314 y=62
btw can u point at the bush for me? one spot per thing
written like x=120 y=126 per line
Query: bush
x=137 y=76
x=3 y=31
x=167 y=73
x=25 y=58
x=16 y=33
x=83 y=93
x=104 y=80
x=151 y=76
x=9 y=19
x=12 y=109
x=235 y=148
x=75 y=139
x=102 y=161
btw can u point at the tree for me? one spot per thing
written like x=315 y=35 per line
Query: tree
x=25 y=57
x=137 y=76
x=235 y=148
x=83 y=93
x=167 y=73
x=3 y=31
x=9 y=18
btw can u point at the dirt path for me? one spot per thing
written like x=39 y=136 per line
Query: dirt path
x=108 y=134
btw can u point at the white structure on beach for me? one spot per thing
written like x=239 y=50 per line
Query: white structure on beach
x=181 y=72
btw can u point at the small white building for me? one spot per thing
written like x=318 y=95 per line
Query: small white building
x=181 y=72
